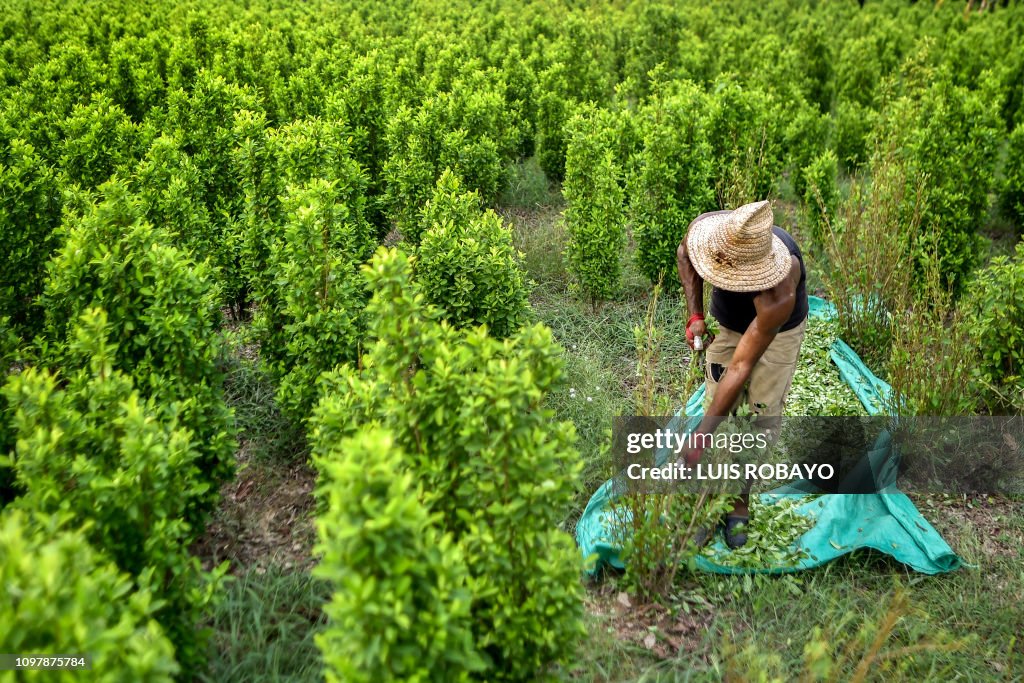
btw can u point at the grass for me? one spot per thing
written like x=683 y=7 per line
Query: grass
x=264 y=627
x=967 y=623
x=843 y=595
x=250 y=391
x=527 y=187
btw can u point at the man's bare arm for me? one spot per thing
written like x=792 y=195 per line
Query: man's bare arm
x=692 y=282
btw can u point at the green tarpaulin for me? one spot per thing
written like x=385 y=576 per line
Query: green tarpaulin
x=886 y=521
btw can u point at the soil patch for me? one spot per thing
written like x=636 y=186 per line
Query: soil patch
x=265 y=518
x=994 y=525
x=667 y=632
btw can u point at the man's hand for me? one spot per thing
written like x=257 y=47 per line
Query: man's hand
x=697 y=328
x=693 y=288
x=690 y=456
x=693 y=455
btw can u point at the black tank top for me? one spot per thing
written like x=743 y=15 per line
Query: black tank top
x=735 y=310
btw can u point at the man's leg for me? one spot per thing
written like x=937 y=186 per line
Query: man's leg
x=770 y=381
x=719 y=356
x=772 y=377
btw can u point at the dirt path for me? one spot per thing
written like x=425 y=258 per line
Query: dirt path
x=265 y=518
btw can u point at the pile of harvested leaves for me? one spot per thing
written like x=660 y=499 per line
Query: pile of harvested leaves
x=818 y=388
x=772 y=532
x=774 y=527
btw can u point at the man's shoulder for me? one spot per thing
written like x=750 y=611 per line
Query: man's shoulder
x=782 y=232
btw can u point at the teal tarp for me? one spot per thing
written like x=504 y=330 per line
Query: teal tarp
x=886 y=521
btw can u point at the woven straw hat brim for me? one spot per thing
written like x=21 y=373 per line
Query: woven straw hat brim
x=708 y=253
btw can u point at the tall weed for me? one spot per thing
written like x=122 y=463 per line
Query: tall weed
x=932 y=359
x=869 y=251
x=660 y=532
x=846 y=650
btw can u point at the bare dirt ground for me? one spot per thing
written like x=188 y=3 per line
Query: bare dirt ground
x=666 y=633
x=265 y=518
x=984 y=524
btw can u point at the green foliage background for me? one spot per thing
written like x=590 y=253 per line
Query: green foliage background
x=168 y=169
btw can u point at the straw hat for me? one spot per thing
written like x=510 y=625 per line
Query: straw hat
x=737 y=251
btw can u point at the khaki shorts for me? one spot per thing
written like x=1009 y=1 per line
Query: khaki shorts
x=771 y=378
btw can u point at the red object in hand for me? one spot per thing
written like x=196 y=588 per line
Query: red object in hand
x=689 y=335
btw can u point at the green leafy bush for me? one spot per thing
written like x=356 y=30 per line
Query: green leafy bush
x=133 y=74
x=745 y=133
x=125 y=467
x=99 y=140
x=318 y=323
x=269 y=162
x=554 y=108
x=305 y=93
x=496 y=470
x=870 y=250
x=466 y=264
x=465 y=130
x=994 y=308
x=450 y=202
x=673 y=184
x=170 y=187
x=365 y=100
x=208 y=120
x=305 y=236
x=854 y=123
x=164 y=317
x=805 y=137
x=863 y=62
x=821 y=194
x=63 y=597
x=255 y=160
x=577 y=72
x=519 y=86
x=653 y=42
x=931 y=361
x=1013 y=184
x=29 y=215
x=817 y=60
x=945 y=133
x=401 y=608
x=9 y=343
x=594 y=214
x=38 y=108
x=192 y=51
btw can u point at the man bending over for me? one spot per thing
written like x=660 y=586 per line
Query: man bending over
x=759 y=298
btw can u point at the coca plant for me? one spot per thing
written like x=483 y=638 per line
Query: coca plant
x=595 y=214
x=497 y=472
x=72 y=599
x=673 y=182
x=163 y=314
x=466 y=264
x=401 y=606
x=317 y=313
x=125 y=468
x=29 y=215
